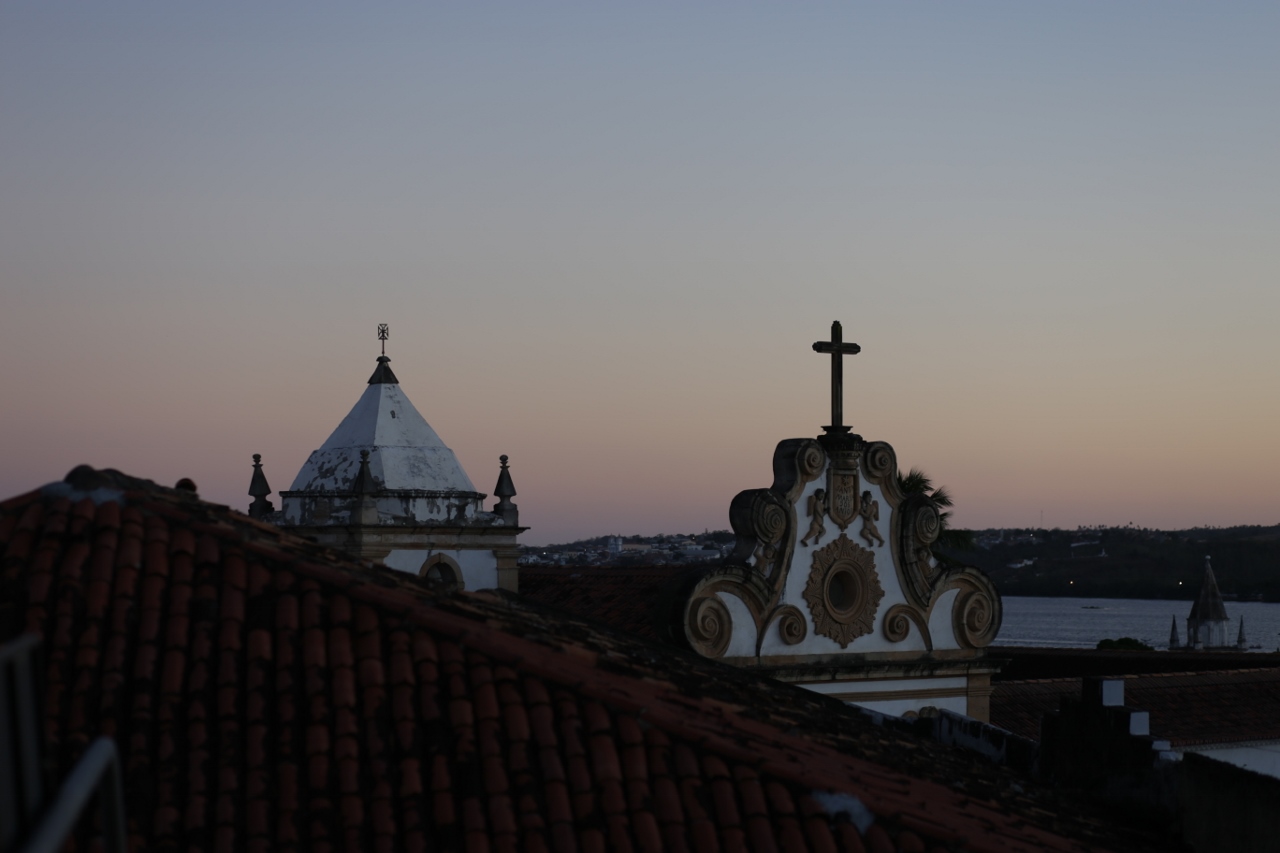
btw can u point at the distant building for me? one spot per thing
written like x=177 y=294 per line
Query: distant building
x=1208 y=626
x=1091 y=548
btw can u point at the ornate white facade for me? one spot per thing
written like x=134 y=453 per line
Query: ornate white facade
x=833 y=585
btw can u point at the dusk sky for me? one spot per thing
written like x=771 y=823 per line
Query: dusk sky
x=605 y=238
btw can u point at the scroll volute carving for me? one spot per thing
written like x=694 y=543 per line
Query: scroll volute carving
x=708 y=624
x=764 y=527
x=914 y=526
x=880 y=466
x=918 y=526
x=763 y=520
x=792 y=627
x=796 y=461
x=977 y=613
x=761 y=523
x=898 y=621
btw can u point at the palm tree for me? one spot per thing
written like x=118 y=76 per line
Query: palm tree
x=916 y=482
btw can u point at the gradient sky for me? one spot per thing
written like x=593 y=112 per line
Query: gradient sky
x=605 y=238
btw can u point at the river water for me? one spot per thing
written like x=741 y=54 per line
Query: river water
x=1081 y=622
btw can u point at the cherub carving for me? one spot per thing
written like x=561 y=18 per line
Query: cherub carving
x=817 y=509
x=870 y=512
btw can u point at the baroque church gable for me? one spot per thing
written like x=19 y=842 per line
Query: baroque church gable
x=804 y=580
x=833 y=583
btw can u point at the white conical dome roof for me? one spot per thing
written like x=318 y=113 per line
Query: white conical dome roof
x=404 y=451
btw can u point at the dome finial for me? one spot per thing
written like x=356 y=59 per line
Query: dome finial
x=382 y=374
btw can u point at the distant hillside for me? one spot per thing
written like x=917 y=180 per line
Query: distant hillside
x=1127 y=562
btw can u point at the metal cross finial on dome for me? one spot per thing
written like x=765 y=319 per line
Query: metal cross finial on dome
x=837 y=348
x=382 y=374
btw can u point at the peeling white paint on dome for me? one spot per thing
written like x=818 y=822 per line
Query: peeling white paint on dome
x=404 y=451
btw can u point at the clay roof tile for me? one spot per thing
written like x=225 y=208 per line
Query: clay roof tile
x=274 y=694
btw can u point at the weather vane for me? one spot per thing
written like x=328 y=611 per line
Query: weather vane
x=383 y=333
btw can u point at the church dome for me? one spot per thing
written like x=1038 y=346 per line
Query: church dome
x=383 y=465
x=404 y=452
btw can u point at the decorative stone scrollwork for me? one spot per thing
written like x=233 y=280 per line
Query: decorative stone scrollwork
x=796 y=461
x=879 y=462
x=897 y=625
x=976 y=617
x=760 y=522
x=898 y=621
x=810 y=461
x=764 y=520
x=919 y=524
x=769 y=521
x=843 y=591
x=927 y=524
x=792 y=627
x=709 y=626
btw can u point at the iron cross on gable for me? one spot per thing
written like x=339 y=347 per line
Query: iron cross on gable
x=838 y=349
x=384 y=332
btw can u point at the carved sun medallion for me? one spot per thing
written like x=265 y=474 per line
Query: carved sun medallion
x=843 y=591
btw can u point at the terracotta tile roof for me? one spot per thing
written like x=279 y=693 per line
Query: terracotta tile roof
x=1187 y=708
x=636 y=600
x=267 y=694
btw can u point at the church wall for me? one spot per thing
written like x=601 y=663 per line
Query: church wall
x=1212 y=634
x=432 y=508
x=900 y=695
x=742 y=643
x=413 y=506
x=479 y=568
x=406 y=560
x=940 y=624
x=940 y=617
x=892 y=677
x=898 y=707
x=802 y=563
